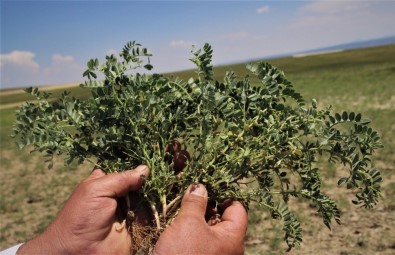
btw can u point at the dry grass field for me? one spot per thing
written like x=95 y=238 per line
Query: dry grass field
x=358 y=80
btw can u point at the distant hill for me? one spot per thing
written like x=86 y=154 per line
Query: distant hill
x=353 y=45
x=334 y=48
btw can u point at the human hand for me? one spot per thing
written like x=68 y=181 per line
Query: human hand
x=191 y=234
x=87 y=223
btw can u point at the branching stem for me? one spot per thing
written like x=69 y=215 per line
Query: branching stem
x=174 y=202
x=156 y=215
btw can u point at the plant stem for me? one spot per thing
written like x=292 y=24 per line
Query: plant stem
x=164 y=207
x=156 y=215
x=173 y=202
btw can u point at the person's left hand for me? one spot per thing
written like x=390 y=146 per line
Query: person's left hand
x=87 y=224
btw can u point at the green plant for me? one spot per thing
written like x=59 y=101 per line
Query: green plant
x=250 y=142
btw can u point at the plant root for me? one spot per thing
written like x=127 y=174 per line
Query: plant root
x=144 y=237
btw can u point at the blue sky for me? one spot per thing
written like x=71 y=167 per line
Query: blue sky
x=49 y=42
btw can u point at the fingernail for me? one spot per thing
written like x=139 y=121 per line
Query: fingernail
x=198 y=190
x=141 y=168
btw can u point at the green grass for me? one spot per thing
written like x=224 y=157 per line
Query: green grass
x=360 y=80
x=22 y=96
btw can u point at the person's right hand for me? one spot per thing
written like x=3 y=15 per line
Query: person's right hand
x=191 y=234
x=87 y=224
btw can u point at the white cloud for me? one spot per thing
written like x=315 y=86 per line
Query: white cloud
x=20 y=58
x=325 y=23
x=333 y=7
x=327 y=13
x=19 y=69
x=181 y=44
x=263 y=9
x=57 y=58
x=324 y=12
x=63 y=69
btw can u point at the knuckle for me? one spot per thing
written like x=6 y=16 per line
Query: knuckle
x=194 y=205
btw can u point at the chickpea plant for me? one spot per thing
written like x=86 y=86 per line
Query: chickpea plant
x=250 y=142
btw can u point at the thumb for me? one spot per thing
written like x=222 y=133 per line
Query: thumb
x=194 y=202
x=118 y=184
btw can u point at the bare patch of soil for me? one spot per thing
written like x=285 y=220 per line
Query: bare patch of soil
x=31 y=195
x=363 y=231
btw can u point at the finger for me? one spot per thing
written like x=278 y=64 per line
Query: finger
x=194 y=202
x=96 y=173
x=118 y=184
x=234 y=217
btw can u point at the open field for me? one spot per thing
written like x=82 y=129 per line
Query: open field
x=359 y=80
